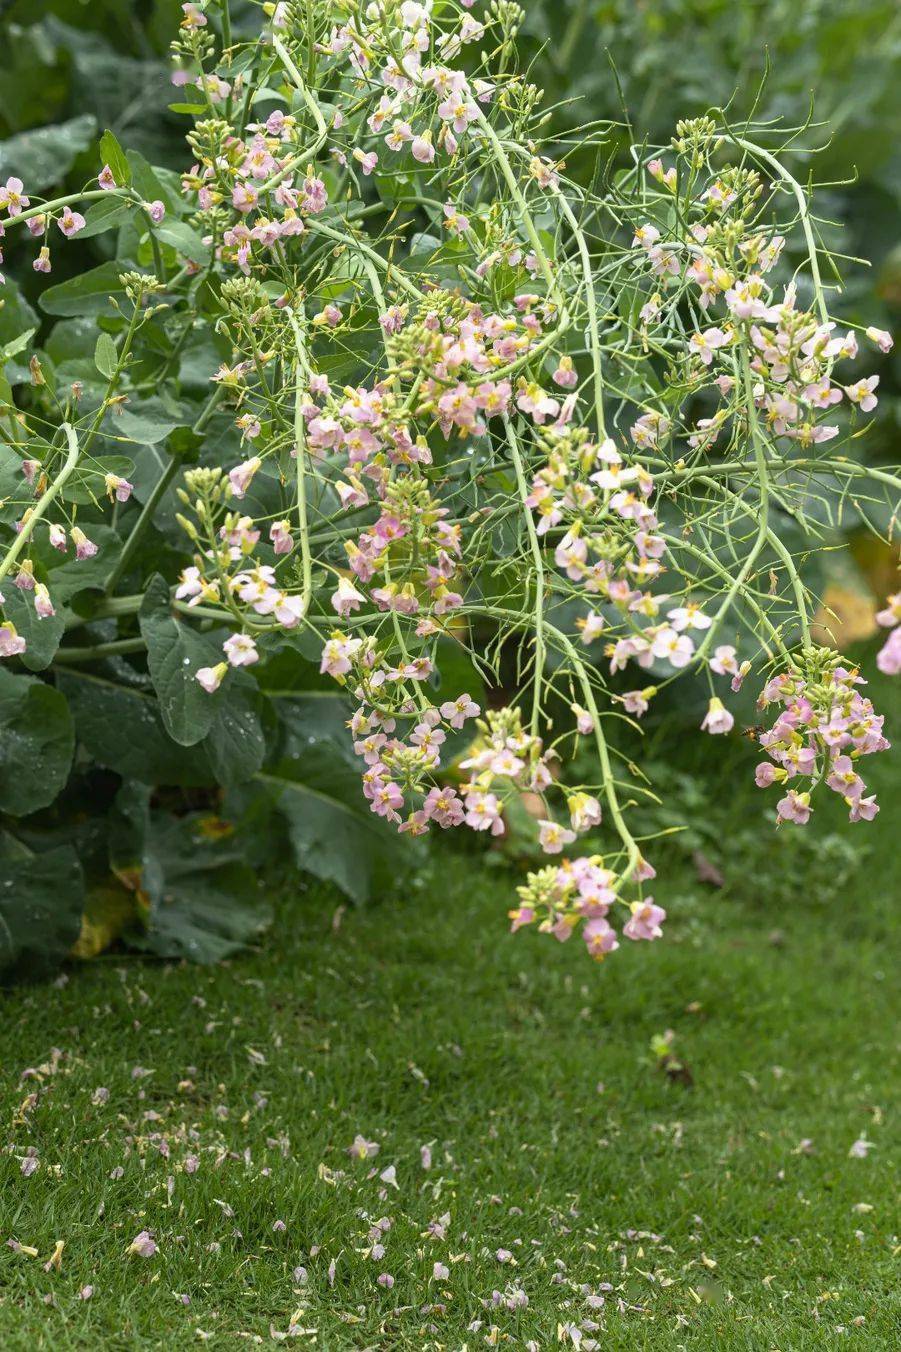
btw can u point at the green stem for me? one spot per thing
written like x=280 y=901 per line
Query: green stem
x=300 y=449
x=118 y=647
x=535 y=546
x=25 y=534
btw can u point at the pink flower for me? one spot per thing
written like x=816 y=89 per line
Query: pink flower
x=117 y=487
x=440 y=1272
x=584 y=811
x=385 y=1279
x=600 y=937
x=861 y=393
x=12 y=197
x=888 y=659
x=156 y=210
x=337 y=654
x=483 y=812
x=70 y=222
x=706 y=343
x=645 y=920
x=361 y=1149
x=444 y=807
x=211 y=677
x=366 y=160
x=11 y=643
x=881 y=337
x=723 y=660
x=240 y=477
x=42 y=262
x=457 y=711
x=105 y=179
x=240 y=650
x=330 y=315
x=84 y=548
x=346 y=599
x=888 y=617
x=42 y=603
x=422 y=148
x=552 y=837
x=58 y=538
x=862 y=809
x=455 y=221
x=676 y=648
x=565 y=375
x=794 y=807
x=717 y=718
x=280 y=535
x=143 y=1245
x=637 y=701
x=765 y=775
x=244 y=197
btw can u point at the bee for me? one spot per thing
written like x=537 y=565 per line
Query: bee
x=753 y=733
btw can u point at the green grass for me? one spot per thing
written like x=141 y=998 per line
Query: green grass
x=692 y=1210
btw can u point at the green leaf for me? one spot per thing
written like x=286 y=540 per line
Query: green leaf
x=185 y=241
x=15 y=346
x=37 y=741
x=148 y=422
x=106 y=358
x=146 y=180
x=41 y=901
x=86 y=294
x=121 y=728
x=103 y=215
x=235 y=743
x=204 y=902
x=174 y=654
x=317 y=789
x=112 y=154
x=16 y=314
x=42 y=637
x=45 y=155
x=69 y=576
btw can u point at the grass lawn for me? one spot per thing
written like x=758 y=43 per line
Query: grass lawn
x=213 y=1108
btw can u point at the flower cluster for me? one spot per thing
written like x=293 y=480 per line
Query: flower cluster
x=581 y=892
x=823 y=729
x=458 y=403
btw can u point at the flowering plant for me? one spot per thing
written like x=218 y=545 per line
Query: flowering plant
x=374 y=395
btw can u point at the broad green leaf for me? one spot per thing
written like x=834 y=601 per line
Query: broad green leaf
x=148 y=181
x=41 y=901
x=45 y=155
x=106 y=357
x=68 y=576
x=88 y=293
x=121 y=728
x=37 y=740
x=42 y=637
x=112 y=154
x=204 y=902
x=235 y=743
x=15 y=346
x=88 y=483
x=16 y=315
x=148 y=421
x=185 y=241
x=317 y=789
x=175 y=652
x=103 y=215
